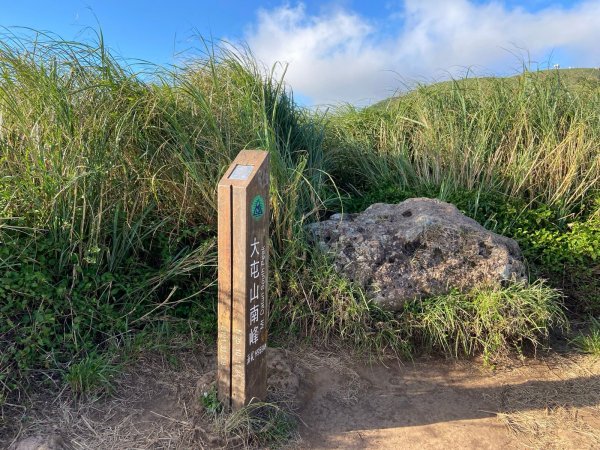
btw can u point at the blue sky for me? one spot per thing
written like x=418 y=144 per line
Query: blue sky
x=344 y=50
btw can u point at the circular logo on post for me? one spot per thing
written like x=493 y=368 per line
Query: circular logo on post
x=257 y=207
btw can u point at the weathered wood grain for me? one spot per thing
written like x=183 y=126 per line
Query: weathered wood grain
x=243 y=281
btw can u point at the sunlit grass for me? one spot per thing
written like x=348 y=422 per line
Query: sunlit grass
x=108 y=206
x=589 y=341
x=529 y=137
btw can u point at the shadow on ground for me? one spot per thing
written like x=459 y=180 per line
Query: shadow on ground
x=550 y=402
x=439 y=403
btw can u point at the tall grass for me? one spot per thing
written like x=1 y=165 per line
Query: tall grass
x=108 y=206
x=528 y=137
x=520 y=154
x=488 y=320
x=107 y=194
x=589 y=342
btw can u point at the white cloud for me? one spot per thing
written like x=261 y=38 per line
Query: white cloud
x=338 y=55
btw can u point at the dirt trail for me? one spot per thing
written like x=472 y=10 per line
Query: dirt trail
x=546 y=403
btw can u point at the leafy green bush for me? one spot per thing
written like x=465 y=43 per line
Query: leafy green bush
x=210 y=402
x=50 y=317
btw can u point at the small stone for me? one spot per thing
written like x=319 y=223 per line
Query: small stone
x=51 y=442
x=282 y=377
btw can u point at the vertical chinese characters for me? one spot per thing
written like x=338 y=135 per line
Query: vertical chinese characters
x=255 y=300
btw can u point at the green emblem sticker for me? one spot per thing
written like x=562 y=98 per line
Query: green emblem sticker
x=257 y=207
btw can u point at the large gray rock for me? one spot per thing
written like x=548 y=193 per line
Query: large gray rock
x=418 y=248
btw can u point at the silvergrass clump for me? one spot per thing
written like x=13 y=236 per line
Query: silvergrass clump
x=487 y=320
x=314 y=301
x=107 y=194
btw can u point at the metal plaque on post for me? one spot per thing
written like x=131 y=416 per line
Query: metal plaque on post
x=243 y=196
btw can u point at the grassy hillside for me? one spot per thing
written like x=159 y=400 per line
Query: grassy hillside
x=108 y=205
x=581 y=80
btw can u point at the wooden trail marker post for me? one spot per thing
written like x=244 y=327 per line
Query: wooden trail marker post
x=243 y=229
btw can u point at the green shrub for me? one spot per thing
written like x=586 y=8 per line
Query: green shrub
x=210 y=401
x=49 y=317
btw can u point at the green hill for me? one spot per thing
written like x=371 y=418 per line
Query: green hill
x=575 y=80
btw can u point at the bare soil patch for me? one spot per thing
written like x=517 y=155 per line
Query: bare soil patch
x=549 y=402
